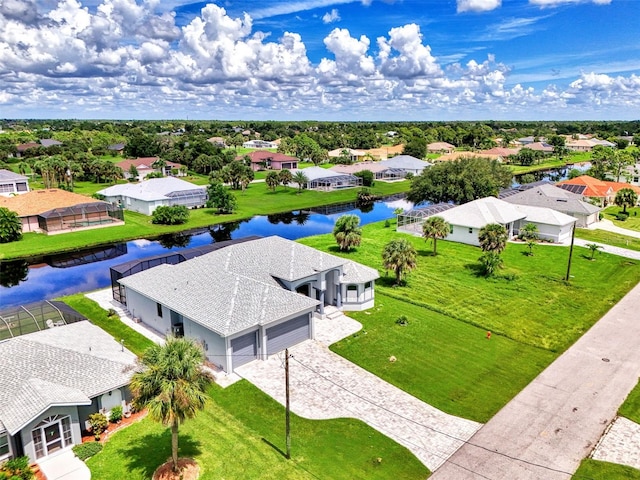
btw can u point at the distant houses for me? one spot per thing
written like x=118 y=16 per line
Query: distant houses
x=266 y=160
x=145 y=166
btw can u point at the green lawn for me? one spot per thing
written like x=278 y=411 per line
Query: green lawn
x=631 y=223
x=532 y=313
x=596 y=470
x=609 y=238
x=631 y=407
x=257 y=199
x=551 y=162
x=240 y=435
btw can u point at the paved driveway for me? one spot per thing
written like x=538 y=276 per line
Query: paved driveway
x=324 y=385
x=558 y=419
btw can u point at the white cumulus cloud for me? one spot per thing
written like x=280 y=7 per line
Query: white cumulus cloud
x=332 y=16
x=477 y=5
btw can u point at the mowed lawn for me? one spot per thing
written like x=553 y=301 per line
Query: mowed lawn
x=596 y=470
x=240 y=435
x=631 y=223
x=443 y=355
x=257 y=199
x=610 y=238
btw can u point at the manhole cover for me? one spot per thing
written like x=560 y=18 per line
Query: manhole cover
x=606 y=360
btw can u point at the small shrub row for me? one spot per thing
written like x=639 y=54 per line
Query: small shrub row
x=87 y=450
x=16 y=469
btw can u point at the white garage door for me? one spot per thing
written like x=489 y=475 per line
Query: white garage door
x=244 y=349
x=287 y=334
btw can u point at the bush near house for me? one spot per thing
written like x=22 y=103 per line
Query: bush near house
x=170 y=215
x=87 y=450
x=16 y=469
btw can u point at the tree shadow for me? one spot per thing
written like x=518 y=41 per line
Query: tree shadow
x=153 y=449
x=476 y=269
x=426 y=253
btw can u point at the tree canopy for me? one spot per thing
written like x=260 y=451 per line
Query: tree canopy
x=460 y=181
x=626 y=197
x=347 y=232
x=493 y=238
x=400 y=256
x=10 y=226
x=435 y=228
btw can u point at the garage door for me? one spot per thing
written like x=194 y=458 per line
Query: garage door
x=287 y=334
x=244 y=349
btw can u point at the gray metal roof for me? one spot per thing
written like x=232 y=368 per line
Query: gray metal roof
x=555 y=198
x=152 y=189
x=405 y=162
x=59 y=366
x=9 y=176
x=237 y=287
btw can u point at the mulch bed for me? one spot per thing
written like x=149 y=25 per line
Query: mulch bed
x=188 y=469
x=114 y=427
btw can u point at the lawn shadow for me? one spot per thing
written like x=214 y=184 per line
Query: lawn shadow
x=152 y=450
x=476 y=269
x=426 y=253
x=275 y=447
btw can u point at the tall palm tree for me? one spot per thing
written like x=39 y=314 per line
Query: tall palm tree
x=435 y=228
x=172 y=385
x=400 y=256
x=493 y=238
x=347 y=232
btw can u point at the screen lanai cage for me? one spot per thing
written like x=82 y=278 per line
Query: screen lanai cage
x=79 y=216
x=34 y=317
x=411 y=221
x=188 y=198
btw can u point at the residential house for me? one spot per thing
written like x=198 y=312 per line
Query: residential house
x=553 y=226
x=146 y=196
x=144 y=166
x=12 y=183
x=49 y=142
x=266 y=160
x=23 y=147
x=540 y=147
x=353 y=155
x=319 y=178
x=530 y=139
x=52 y=380
x=248 y=300
x=602 y=191
x=394 y=168
x=405 y=164
x=452 y=157
x=217 y=142
x=502 y=152
x=54 y=211
x=557 y=199
x=440 y=147
x=633 y=174
x=117 y=148
x=587 y=145
x=259 y=144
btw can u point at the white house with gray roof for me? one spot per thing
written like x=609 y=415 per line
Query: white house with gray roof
x=52 y=380
x=146 y=196
x=560 y=200
x=12 y=183
x=406 y=163
x=248 y=300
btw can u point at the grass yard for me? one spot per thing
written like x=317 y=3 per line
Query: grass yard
x=631 y=407
x=631 y=223
x=532 y=313
x=257 y=199
x=596 y=470
x=610 y=238
x=551 y=162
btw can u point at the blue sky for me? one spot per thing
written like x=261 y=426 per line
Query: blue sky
x=320 y=59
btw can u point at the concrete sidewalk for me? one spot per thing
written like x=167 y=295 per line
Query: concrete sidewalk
x=65 y=466
x=609 y=226
x=555 y=422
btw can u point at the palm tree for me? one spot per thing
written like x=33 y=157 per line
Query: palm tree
x=493 y=238
x=172 y=385
x=529 y=232
x=593 y=247
x=301 y=179
x=490 y=261
x=435 y=228
x=160 y=165
x=626 y=197
x=530 y=244
x=400 y=256
x=272 y=180
x=347 y=232
x=285 y=177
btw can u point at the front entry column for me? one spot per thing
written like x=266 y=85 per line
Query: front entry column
x=321 y=302
x=339 y=296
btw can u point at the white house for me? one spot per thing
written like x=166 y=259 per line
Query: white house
x=259 y=144
x=406 y=164
x=52 y=380
x=552 y=225
x=146 y=196
x=12 y=183
x=248 y=300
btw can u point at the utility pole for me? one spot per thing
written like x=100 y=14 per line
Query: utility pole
x=287 y=411
x=573 y=235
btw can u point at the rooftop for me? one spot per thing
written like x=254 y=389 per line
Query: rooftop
x=553 y=197
x=482 y=212
x=37 y=202
x=9 y=176
x=152 y=189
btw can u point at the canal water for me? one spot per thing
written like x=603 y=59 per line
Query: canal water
x=44 y=278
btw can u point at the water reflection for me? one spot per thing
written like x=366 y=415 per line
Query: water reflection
x=12 y=273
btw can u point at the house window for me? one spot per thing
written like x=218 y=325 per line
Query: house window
x=4 y=444
x=471 y=230
x=21 y=187
x=51 y=434
x=6 y=188
x=159 y=309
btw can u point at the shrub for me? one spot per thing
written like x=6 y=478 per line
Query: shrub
x=116 y=414
x=170 y=215
x=17 y=469
x=622 y=216
x=402 y=320
x=387 y=223
x=98 y=422
x=112 y=313
x=87 y=450
x=367 y=177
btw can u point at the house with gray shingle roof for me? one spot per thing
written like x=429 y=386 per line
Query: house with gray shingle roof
x=52 y=380
x=12 y=183
x=146 y=196
x=248 y=300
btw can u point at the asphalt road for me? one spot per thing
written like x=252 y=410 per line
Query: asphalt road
x=555 y=422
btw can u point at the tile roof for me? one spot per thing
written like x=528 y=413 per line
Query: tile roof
x=246 y=280
x=438 y=146
x=595 y=188
x=460 y=155
x=143 y=163
x=482 y=212
x=555 y=198
x=152 y=189
x=258 y=156
x=9 y=176
x=62 y=365
x=37 y=202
